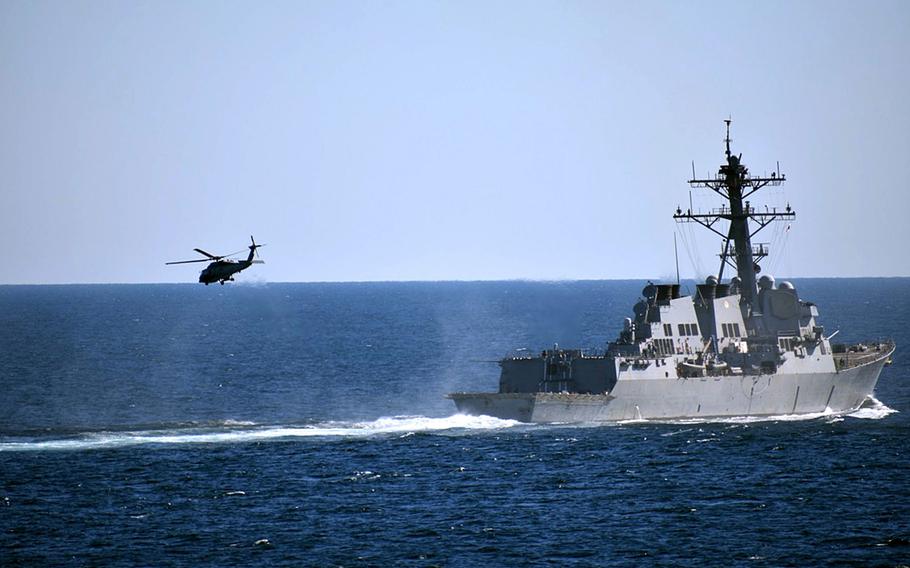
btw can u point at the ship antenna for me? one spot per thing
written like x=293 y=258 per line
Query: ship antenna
x=734 y=184
x=676 y=254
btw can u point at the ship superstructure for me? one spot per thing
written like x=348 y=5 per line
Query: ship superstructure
x=747 y=346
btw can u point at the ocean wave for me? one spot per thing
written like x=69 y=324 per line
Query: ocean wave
x=873 y=409
x=240 y=432
x=236 y=431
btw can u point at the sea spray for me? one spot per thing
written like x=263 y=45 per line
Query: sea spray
x=238 y=434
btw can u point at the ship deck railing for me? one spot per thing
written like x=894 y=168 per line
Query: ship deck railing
x=861 y=353
x=524 y=353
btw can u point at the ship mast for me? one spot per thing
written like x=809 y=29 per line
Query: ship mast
x=734 y=184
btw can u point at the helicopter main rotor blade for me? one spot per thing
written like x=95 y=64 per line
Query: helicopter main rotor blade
x=232 y=254
x=188 y=261
x=211 y=256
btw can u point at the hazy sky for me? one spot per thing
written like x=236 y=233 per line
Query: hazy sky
x=443 y=140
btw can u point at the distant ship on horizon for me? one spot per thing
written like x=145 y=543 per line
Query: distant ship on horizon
x=744 y=347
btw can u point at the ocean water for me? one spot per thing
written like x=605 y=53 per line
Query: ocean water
x=306 y=425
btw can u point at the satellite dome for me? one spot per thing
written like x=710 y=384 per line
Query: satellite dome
x=649 y=291
x=766 y=282
x=785 y=285
x=711 y=280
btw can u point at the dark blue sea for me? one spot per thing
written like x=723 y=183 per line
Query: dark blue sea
x=306 y=425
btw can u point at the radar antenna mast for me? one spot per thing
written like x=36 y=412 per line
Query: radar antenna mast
x=734 y=184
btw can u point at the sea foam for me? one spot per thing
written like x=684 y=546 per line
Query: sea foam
x=236 y=434
x=871 y=409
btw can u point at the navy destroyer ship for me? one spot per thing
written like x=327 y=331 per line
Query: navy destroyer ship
x=742 y=347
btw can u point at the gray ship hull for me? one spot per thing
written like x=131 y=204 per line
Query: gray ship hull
x=744 y=347
x=688 y=398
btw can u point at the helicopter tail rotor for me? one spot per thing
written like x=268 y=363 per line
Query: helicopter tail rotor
x=254 y=246
x=254 y=250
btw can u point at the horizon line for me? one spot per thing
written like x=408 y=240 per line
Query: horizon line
x=428 y=281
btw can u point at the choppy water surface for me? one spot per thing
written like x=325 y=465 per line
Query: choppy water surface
x=304 y=425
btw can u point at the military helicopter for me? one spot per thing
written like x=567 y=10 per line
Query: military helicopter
x=222 y=268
